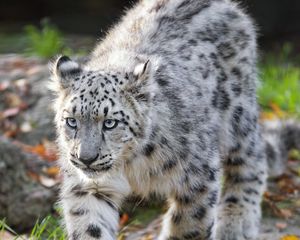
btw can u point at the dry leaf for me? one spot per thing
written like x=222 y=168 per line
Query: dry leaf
x=277 y=110
x=4 y=85
x=286 y=213
x=13 y=100
x=281 y=225
x=26 y=127
x=290 y=237
x=124 y=219
x=11 y=112
x=52 y=171
x=268 y=116
x=47 y=182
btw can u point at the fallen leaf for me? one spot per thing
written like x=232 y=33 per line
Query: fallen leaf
x=281 y=225
x=26 y=127
x=290 y=237
x=47 y=182
x=13 y=100
x=11 y=112
x=286 y=213
x=52 y=171
x=124 y=219
x=4 y=85
x=277 y=110
x=268 y=116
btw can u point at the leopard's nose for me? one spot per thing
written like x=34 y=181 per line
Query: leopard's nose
x=88 y=160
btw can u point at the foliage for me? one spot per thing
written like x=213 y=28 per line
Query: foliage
x=45 y=42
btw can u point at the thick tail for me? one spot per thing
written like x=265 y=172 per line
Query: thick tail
x=280 y=138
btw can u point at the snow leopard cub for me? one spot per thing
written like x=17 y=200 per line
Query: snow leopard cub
x=165 y=105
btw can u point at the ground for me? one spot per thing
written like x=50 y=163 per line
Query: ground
x=26 y=121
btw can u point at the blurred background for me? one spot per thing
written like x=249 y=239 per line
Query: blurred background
x=33 y=31
x=277 y=20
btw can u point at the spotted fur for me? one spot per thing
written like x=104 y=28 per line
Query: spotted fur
x=166 y=105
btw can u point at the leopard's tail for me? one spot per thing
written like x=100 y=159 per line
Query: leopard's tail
x=280 y=137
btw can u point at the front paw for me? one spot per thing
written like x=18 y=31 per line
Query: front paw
x=236 y=223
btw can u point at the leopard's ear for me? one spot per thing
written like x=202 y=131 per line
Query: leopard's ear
x=65 y=71
x=140 y=84
x=142 y=71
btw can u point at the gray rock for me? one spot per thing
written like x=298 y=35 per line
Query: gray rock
x=22 y=200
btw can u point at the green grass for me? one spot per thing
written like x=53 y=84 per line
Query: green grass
x=47 y=229
x=46 y=41
x=280 y=82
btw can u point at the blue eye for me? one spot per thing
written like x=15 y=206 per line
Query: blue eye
x=109 y=124
x=71 y=122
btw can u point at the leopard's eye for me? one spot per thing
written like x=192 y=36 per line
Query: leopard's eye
x=109 y=124
x=71 y=122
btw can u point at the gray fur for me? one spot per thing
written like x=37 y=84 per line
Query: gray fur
x=179 y=76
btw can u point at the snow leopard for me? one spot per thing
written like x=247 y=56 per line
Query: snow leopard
x=166 y=105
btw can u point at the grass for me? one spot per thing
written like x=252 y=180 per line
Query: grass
x=46 y=41
x=47 y=229
x=280 y=83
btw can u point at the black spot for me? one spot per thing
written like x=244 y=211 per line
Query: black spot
x=191 y=235
x=232 y=14
x=183 y=199
x=112 y=102
x=236 y=178
x=209 y=230
x=198 y=188
x=221 y=99
x=78 y=212
x=213 y=198
x=74 y=110
x=105 y=197
x=232 y=199
x=94 y=231
x=226 y=50
x=169 y=165
x=75 y=236
x=200 y=213
x=148 y=149
x=78 y=192
x=251 y=191
x=236 y=88
x=235 y=161
x=162 y=81
x=243 y=122
x=236 y=72
x=176 y=218
x=105 y=111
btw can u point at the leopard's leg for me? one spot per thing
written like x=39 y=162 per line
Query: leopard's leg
x=244 y=183
x=91 y=209
x=192 y=211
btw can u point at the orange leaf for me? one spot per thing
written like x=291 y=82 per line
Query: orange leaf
x=268 y=116
x=124 y=219
x=52 y=171
x=277 y=110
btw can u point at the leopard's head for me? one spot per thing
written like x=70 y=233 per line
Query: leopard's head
x=101 y=116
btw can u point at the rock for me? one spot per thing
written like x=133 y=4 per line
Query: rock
x=22 y=199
